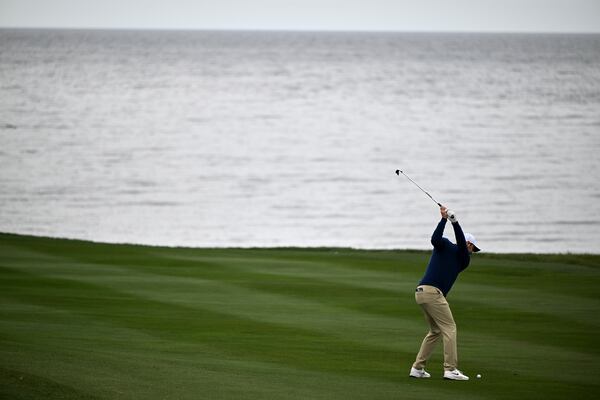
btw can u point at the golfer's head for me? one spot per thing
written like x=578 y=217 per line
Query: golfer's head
x=471 y=243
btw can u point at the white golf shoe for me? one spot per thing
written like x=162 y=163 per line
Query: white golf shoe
x=455 y=375
x=419 y=373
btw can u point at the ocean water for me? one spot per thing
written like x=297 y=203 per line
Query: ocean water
x=292 y=139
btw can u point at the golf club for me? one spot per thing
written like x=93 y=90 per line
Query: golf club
x=398 y=172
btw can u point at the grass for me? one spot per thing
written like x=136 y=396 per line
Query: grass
x=80 y=320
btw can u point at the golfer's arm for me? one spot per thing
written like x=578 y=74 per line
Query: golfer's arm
x=461 y=242
x=437 y=239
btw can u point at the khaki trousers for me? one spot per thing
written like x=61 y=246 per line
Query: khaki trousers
x=441 y=323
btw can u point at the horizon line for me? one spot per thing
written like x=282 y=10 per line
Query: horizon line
x=296 y=30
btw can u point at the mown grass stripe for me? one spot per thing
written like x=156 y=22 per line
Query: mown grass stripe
x=237 y=334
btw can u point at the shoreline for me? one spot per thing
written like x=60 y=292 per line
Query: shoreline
x=283 y=247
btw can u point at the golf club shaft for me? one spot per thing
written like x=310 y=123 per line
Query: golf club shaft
x=398 y=172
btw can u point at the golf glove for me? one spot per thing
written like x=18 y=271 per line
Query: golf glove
x=452 y=216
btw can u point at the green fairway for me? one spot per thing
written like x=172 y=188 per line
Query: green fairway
x=80 y=320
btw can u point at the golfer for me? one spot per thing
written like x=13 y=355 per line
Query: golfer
x=446 y=262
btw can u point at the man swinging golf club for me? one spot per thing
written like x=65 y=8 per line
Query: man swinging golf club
x=446 y=262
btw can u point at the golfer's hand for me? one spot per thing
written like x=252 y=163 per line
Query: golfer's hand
x=444 y=212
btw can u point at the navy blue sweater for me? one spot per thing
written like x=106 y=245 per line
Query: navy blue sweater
x=447 y=260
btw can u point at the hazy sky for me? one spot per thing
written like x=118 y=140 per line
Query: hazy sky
x=398 y=15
